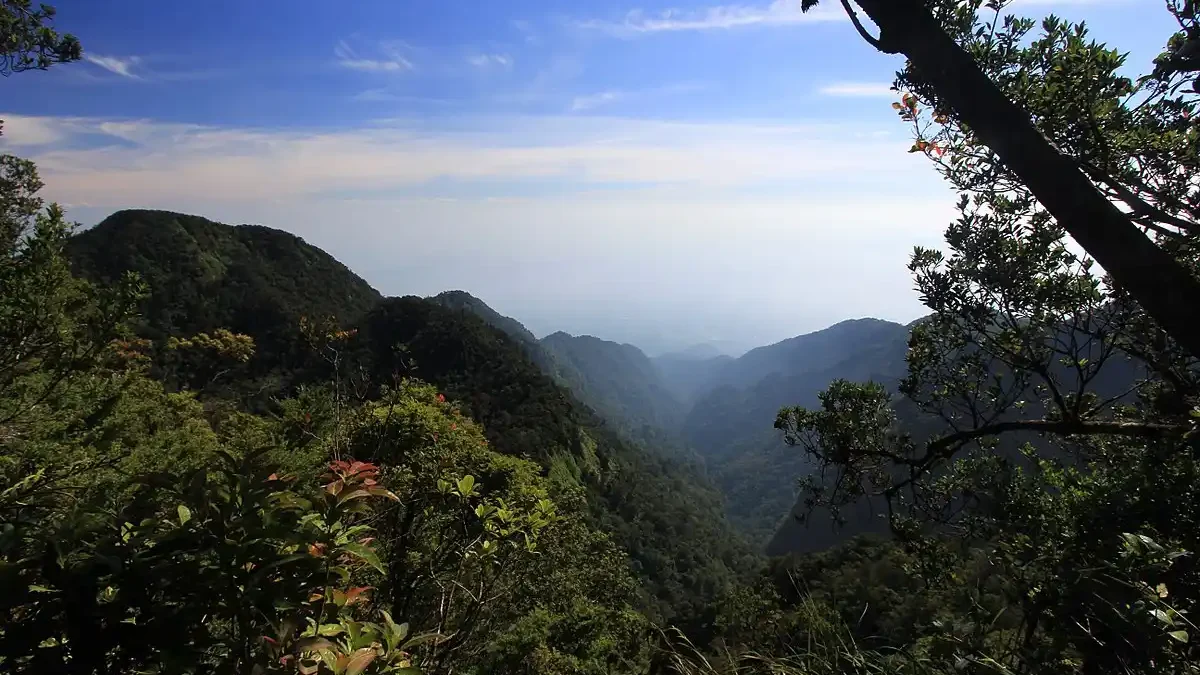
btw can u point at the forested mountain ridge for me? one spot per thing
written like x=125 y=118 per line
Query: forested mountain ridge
x=620 y=381
x=819 y=350
x=719 y=409
x=464 y=301
x=202 y=274
x=659 y=510
x=731 y=425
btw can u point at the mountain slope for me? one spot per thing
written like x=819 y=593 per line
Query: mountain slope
x=462 y=300
x=731 y=426
x=618 y=380
x=810 y=352
x=203 y=274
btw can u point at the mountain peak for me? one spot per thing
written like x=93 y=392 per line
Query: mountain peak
x=204 y=275
x=464 y=301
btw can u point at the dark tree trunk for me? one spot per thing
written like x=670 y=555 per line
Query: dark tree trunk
x=1160 y=284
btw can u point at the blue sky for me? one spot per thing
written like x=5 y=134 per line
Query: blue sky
x=656 y=172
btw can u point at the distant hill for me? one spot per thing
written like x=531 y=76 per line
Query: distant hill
x=731 y=425
x=620 y=382
x=617 y=381
x=463 y=300
x=718 y=408
x=810 y=352
x=203 y=274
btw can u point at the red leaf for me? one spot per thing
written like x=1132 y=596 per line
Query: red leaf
x=441 y=399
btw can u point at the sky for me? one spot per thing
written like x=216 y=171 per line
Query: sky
x=660 y=172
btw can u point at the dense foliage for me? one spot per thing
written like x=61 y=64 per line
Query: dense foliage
x=402 y=485
x=1067 y=448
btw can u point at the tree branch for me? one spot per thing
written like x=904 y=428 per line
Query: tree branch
x=871 y=40
x=1058 y=427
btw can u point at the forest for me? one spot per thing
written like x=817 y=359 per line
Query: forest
x=222 y=451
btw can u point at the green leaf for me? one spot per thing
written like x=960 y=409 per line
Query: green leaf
x=418 y=640
x=466 y=484
x=330 y=629
x=185 y=514
x=366 y=554
x=1180 y=635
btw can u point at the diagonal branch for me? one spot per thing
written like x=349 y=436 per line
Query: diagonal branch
x=1059 y=427
x=877 y=43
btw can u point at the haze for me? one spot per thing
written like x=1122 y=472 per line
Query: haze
x=661 y=174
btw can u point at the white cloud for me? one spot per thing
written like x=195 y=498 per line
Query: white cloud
x=490 y=60
x=22 y=130
x=118 y=65
x=859 y=89
x=777 y=13
x=626 y=217
x=388 y=59
x=589 y=101
x=175 y=161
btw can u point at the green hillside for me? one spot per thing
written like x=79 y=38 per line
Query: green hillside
x=202 y=274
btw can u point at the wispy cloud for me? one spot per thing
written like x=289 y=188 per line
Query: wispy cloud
x=590 y=101
x=526 y=29
x=858 y=90
x=602 y=98
x=490 y=60
x=717 y=17
x=143 y=159
x=711 y=213
x=118 y=65
x=387 y=58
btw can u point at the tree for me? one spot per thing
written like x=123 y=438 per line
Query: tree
x=29 y=41
x=961 y=66
x=1046 y=417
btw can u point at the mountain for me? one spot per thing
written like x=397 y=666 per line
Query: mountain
x=718 y=408
x=731 y=425
x=618 y=380
x=202 y=274
x=205 y=275
x=811 y=352
x=464 y=301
